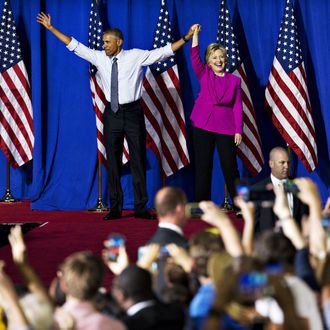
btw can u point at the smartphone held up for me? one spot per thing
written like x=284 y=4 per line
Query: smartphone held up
x=264 y=195
x=113 y=244
x=193 y=210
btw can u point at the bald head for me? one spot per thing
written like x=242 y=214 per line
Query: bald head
x=168 y=199
x=279 y=163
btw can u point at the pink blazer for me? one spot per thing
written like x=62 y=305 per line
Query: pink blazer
x=218 y=107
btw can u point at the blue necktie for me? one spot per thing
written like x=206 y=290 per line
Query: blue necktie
x=114 y=86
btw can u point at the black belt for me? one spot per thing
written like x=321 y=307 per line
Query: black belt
x=127 y=105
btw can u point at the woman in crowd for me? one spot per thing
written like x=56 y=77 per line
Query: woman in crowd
x=217 y=118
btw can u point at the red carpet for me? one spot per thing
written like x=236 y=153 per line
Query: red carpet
x=65 y=232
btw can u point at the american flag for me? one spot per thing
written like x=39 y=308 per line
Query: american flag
x=287 y=97
x=250 y=149
x=162 y=105
x=16 y=117
x=95 y=33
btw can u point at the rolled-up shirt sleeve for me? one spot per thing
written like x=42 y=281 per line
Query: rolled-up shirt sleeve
x=157 y=54
x=73 y=44
x=83 y=51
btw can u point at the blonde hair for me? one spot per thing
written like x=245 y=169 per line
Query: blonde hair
x=211 y=48
x=82 y=274
x=38 y=311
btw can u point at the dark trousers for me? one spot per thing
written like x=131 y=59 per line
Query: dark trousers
x=128 y=122
x=204 y=144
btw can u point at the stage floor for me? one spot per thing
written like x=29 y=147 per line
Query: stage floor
x=61 y=233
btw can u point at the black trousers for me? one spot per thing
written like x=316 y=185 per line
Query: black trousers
x=204 y=144
x=128 y=122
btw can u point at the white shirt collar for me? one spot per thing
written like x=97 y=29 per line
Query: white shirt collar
x=139 y=306
x=119 y=55
x=171 y=226
x=277 y=181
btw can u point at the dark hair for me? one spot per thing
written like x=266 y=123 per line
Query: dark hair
x=202 y=244
x=274 y=247
x=135 y=283
x=167 y=199
x=116 y=32
x=176 y=289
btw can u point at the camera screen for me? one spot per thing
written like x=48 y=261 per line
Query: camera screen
x=115 y=241
x=193 y=210
x=253 y=284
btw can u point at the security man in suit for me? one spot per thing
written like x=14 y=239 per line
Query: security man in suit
x=279 y=163
x=170 y=204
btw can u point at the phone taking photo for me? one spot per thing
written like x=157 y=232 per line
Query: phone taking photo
x=193 y=210
x=114 y=242
x=252 y=286
x=254 y=194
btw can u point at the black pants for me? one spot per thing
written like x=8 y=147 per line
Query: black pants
x=204 y=144
x=128 y=122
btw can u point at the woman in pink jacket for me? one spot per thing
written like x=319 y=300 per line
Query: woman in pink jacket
x=217 y=118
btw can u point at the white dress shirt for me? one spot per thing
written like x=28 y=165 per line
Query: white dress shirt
x=171 y=226
x=130 y=67
x=139 y=306
x=277 y=182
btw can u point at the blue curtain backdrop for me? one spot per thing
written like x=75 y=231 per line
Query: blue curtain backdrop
x=63 y=174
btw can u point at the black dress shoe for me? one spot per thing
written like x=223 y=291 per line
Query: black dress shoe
x=112 y=215
x=144 y=215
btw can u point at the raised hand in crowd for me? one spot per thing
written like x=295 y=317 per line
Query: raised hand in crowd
x=148 y=255
x=118 y=265
x=247 y=209
x=286 y=221
x=180 y=256
x=309 y=194
x=10 y=303
x=20 y=257
x=326 y=209
x=214 y=216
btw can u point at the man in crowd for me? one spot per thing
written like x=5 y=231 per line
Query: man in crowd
x=82 y=275
x=132 y=290
x=170 y=204
x=279 y=163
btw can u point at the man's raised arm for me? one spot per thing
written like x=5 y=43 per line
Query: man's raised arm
x=45 y=20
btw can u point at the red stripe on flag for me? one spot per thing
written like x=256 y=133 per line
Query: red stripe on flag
x=15 y=119
x=13 y=137
x=161 y=111
x=170 y=101
x=291 y=120
x=293 y=99
x=164 y=148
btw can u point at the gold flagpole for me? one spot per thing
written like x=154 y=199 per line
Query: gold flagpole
x=100 y=206
x=8 y=197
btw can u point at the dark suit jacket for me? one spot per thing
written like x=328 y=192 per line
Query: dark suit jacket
x=157 y=317
x=164 y=236
x=265 y=217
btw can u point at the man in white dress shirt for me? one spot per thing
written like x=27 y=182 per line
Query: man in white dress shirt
x=279 y=163
x=123 y=115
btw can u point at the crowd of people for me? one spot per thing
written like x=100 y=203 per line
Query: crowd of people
x=278 y=278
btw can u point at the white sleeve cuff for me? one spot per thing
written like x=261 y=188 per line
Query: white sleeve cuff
x=72 y=45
